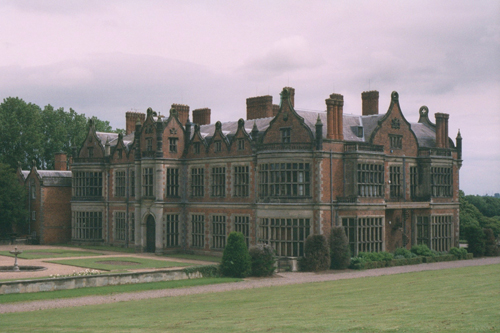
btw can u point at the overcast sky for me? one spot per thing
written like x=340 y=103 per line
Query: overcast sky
x=104 y=58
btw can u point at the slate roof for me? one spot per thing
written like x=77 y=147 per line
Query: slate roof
x=52 y=177
x=426 y=135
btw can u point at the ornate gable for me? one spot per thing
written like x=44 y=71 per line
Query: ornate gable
x=197 y=145
x=394 y=132
x=219 y=143
x=287 y=127
x=148 y=137
x=121 y=152
x=241 y=140
x=92 y=146
x=173 y=136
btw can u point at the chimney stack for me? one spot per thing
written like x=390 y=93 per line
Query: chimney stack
x=259 y=107
x=201 y=116
x=182 y=112
x=131 y=118
x=442 y=140
x=370 y=102
x=334 y=117
x=60 y=162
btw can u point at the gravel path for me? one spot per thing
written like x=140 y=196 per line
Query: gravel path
x=278 y=280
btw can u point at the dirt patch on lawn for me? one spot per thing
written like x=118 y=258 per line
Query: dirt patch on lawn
x=118 y=262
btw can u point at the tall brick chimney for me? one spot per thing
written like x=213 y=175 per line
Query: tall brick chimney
x=442 y=140
x=60 y=162
x=182 y=112
x=130 y=120
x=334 y=117
x=259 y=107
x=201 y=116
x=370 y=102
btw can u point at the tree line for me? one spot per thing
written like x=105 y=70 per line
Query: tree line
x=31 y=135
x=479 y=212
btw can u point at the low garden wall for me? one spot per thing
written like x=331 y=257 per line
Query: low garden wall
x=101 y=280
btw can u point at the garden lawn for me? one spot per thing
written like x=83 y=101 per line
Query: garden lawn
x=109 y=290
x=50 y=253
x=452 y=300
x=102 y=248
x=194 y=257
x=119 y=263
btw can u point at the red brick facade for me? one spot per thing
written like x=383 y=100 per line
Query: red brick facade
x=173 y=185
x=49 y=203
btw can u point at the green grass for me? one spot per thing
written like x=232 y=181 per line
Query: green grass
x=140 y=263
x=109 y=290
x=50 y=253
x=452 y=300
x=101 y=248
x=194 y=257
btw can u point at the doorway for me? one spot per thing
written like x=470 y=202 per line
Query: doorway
x=150 y=234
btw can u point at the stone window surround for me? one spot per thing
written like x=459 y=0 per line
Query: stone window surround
x=220 y=189
x=190 y=184
x=233 y=179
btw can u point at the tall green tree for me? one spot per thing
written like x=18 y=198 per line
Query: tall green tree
x=28 y=133
x=21 y=140
x=12 y=201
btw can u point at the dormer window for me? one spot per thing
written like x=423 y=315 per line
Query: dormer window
x=120 y=153
x=196 y=147
x=286 y=134
x=218 y=146
x=149 y=144
x=91 y=152
x=241 y=144
x=173 y=145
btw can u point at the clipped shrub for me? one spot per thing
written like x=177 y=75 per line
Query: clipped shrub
x=316 y=253
x=262 y=259
x=357 y=263
x=340 y=255
x=401 y=252
x=386 y=256
x=399 y=261
x=446 y=257
x=414 y=261
x=422 y=250
x=370 y=256
x=376 y=256
x=490 y=248
x=459 y=253
x=235 y=259
x=475 y=240
x=205 y=270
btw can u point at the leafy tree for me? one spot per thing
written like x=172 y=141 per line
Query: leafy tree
x=475 y=240
x=488 y=206
x=28 y=133
x=491 y=248
x=340 y=254
x=12 y=201
x=471 y=214
x=235 y=259
x=20 y=138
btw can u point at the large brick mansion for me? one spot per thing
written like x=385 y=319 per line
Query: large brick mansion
x=282 y=174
